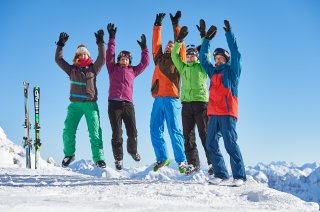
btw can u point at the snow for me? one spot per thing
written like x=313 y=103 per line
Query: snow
x=84 y=187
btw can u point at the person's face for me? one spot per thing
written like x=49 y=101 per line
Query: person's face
x=191 y=58
x=169 y=48
x=124 y=62
x=83 y=56
x=219 y=59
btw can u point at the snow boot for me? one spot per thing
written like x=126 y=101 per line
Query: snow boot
x=118 y=164
x=192 y=169
x=238 y=182
x=101 y=164
x=67 y=160
x=182 y=167
x=216 y=181
x=136 y=156
x=160 y=164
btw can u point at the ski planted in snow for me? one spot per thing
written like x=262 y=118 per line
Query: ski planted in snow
x=37 y=143
x=27 y=126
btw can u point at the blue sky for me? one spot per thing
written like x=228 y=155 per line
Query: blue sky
x=279 y=84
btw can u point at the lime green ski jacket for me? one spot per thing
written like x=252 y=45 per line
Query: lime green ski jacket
x=194 y=78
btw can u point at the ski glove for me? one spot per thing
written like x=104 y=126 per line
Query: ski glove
x=159 y=19
x=227 y=24
x=183 y=33
x=112 y=30
x=202 y=28
x=175 y=19
x=211 y=32
x=99 y=36
x=62 y=39
x=143 y=42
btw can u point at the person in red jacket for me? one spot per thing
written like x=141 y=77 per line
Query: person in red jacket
x=120 y=108
x=223 y=106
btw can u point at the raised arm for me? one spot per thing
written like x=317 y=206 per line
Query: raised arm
x=203 y=56
x=202 y=30
x=110 y=56
x=156 y=37
x=145 y=57
x=235 y=60
x=175 y=53
x=101 y=59
x=64 y=65
x=176 y=30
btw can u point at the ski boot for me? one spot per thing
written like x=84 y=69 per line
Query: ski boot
x=160 y=164
x=67 y=160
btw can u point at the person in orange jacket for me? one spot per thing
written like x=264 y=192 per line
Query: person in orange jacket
x=165 y=89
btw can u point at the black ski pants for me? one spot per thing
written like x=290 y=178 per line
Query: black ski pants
x=194 y=113
x=122 y=111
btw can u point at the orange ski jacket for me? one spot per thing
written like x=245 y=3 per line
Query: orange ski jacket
x=166 y=78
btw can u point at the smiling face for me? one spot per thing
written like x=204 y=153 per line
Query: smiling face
x=83 y=56
x=191 y=58
x=219 y=59
x=169 y=47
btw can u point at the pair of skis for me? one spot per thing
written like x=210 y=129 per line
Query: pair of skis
x=27 y=141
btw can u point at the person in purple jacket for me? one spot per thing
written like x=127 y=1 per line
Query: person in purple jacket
x=121 y=77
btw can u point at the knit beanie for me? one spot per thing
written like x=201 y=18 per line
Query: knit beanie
x=82 y=49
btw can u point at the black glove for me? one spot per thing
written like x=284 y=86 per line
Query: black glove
x=159 y=19
x=62 y=39
x=202 y=28
x=112 y=30
x=227 y=24
x=99 y=36
x=143 y=42
x=183 y=33
x=211 y=32
x=175 y=19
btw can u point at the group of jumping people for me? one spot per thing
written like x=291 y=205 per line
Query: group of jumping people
x=215 y=113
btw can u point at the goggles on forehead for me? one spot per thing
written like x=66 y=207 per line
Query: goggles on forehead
x=192 y=50
x=191 y=46
x=125 y=54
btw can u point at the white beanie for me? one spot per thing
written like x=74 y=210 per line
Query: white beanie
x=82 y=49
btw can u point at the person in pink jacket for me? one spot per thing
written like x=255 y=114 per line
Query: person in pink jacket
x=120 y=108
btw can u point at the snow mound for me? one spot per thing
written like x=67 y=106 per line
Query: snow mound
x=12 y=155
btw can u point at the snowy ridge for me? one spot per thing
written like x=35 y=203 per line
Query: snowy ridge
x=84 y=187
x=303 y=182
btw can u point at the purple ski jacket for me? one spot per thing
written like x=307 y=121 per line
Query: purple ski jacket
x=121 y=79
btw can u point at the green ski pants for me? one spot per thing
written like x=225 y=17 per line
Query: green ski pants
x=91 y=112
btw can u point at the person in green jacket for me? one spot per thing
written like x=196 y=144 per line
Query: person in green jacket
x=194 y=98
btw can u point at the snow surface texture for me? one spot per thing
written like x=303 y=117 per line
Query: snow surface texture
x=84 y=187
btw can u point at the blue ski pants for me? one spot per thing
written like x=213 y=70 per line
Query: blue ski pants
x=225 y=126
x=166 y=109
